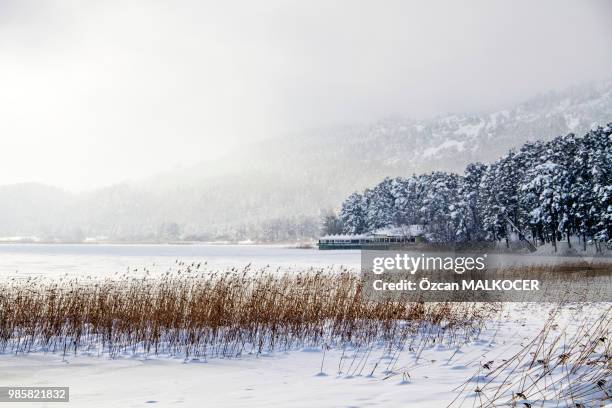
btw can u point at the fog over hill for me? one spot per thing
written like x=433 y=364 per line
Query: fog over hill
x=275 y=190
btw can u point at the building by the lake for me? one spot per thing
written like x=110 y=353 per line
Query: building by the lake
x=383 y=238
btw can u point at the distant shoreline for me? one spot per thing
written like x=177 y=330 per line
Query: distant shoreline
x=299 y=245
x=284 y=245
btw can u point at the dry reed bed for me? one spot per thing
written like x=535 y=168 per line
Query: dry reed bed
x=195 y=313
x=557 y=368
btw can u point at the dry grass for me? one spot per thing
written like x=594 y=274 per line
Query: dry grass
x=557 y=368
x=195 y=313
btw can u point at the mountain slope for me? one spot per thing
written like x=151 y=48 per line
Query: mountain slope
x=275 y=190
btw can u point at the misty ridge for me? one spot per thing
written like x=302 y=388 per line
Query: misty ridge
x=278 y=190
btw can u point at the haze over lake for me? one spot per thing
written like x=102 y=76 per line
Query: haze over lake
x=25 y=260
x=105 y=260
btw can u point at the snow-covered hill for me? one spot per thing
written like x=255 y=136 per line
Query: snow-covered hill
x=276 y=189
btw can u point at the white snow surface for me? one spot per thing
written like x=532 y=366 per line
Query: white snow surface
x=425 y=378
x=288 y=379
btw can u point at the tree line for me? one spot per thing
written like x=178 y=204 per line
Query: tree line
x=544 y=192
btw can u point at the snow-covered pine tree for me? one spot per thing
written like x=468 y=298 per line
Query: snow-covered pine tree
x=380 y=203
x=352 y=214
x=582 y=191
x=472 y=196
x=599 y=165
x=544 y=192
x=442 y=209
x=492 y=217
x=562 y=151
x=545 y=196
x=406 y=193
x=529 y=156
x=508 y=175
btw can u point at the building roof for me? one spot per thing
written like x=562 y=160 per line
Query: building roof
x=401 y=231
x=346 y=236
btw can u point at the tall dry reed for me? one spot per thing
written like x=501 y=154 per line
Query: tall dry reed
x=197 y=313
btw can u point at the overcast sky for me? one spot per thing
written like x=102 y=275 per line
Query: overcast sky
x=96 y=92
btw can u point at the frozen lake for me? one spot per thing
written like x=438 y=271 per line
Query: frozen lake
x=101 y=260
x=105 y=260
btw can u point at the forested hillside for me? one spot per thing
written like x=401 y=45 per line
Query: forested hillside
x=542 y=192
x=278 y=189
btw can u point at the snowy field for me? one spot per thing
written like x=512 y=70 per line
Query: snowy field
x=429 y=377
x=426 y=375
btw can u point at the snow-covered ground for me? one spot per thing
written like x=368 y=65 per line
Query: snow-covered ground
x=429 y=377
x=351 y=378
